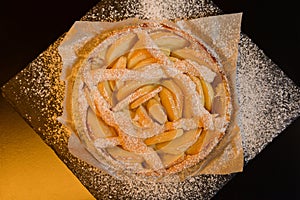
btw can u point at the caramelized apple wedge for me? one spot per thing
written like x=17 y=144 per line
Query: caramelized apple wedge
x=156 y=111
x=130 y=87
x=168 y=100
x=176 y=91
x=220 y=103
x=120 y=47
x=208 y=94
x=196 y=147
x=166 y=51
x=182 y=143
x=138 y=97
x=201 y=57
x=169 y=160
x=145 y=62
x=123 y=155
x=167 y=40
x=105 y=91
x=164 y=137
x=145 y=97
x=98 y=127
x=119 y=64
x=137 y=56
x=199 y=88
x=142 y=118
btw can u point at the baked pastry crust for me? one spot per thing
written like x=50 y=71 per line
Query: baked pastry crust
x=149 y=100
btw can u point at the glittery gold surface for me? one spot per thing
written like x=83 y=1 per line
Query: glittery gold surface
x=269 y=101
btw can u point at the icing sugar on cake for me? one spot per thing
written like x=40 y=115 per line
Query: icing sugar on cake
x=162 y=66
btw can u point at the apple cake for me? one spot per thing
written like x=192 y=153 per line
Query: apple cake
x=149 y=99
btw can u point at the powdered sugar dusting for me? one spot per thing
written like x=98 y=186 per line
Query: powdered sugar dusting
x=108 y=10
x=162 y=70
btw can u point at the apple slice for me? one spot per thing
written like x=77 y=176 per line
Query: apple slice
x=167 y=40
x=201 y=57
x=105 y=91
x=168 y=100
x=123 y=155
x=221 y=99
x=145 y=98
x=137 y=56
x=130 y=87
x=180 y=144
x=185 y=53
x=98 y=127
x=99 y=60
x=199 y=88
x=169 y=160
x=120 y=47
x=142 y=118
x=127 y=89
x=119 y=64
x=156 y=111
x=176 y=91
x=197 y=146
x=164 y=137
x=166 y=51
x=208 y=94
x=137 y=97
x=143 y=63
x=156 y=97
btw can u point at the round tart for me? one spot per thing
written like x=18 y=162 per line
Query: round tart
x=149 y=100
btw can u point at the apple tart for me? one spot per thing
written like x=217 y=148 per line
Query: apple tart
x=149 y=100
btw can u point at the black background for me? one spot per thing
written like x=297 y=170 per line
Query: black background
x=28 y=27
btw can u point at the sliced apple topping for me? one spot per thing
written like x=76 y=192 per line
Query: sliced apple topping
x=161 y=145
x=137 y=97
x=130 y=87
x=98 y=127
x=157 y=111
x=120 y=47
x=164 y=137
x=142 y=118
x=137 y=56
x=166 y=51
x=187 y=53
x=199 y=88
x=182 y=143
x=143 y=63
x=127 y=89
x=105 y=91
x=167 y=40
x=168 y=100
x=119 y=64
x=145 y=98
x=169 y=160
x=145 y=89
x=208 y=94
x=176 y=91
x=196 y=147
x=123 y=155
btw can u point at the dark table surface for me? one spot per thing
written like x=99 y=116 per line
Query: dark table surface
x=29 y=27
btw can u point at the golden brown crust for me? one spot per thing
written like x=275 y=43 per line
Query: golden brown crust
x=159 y=63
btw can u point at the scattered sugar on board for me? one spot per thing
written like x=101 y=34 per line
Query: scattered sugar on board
x=268 y=104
